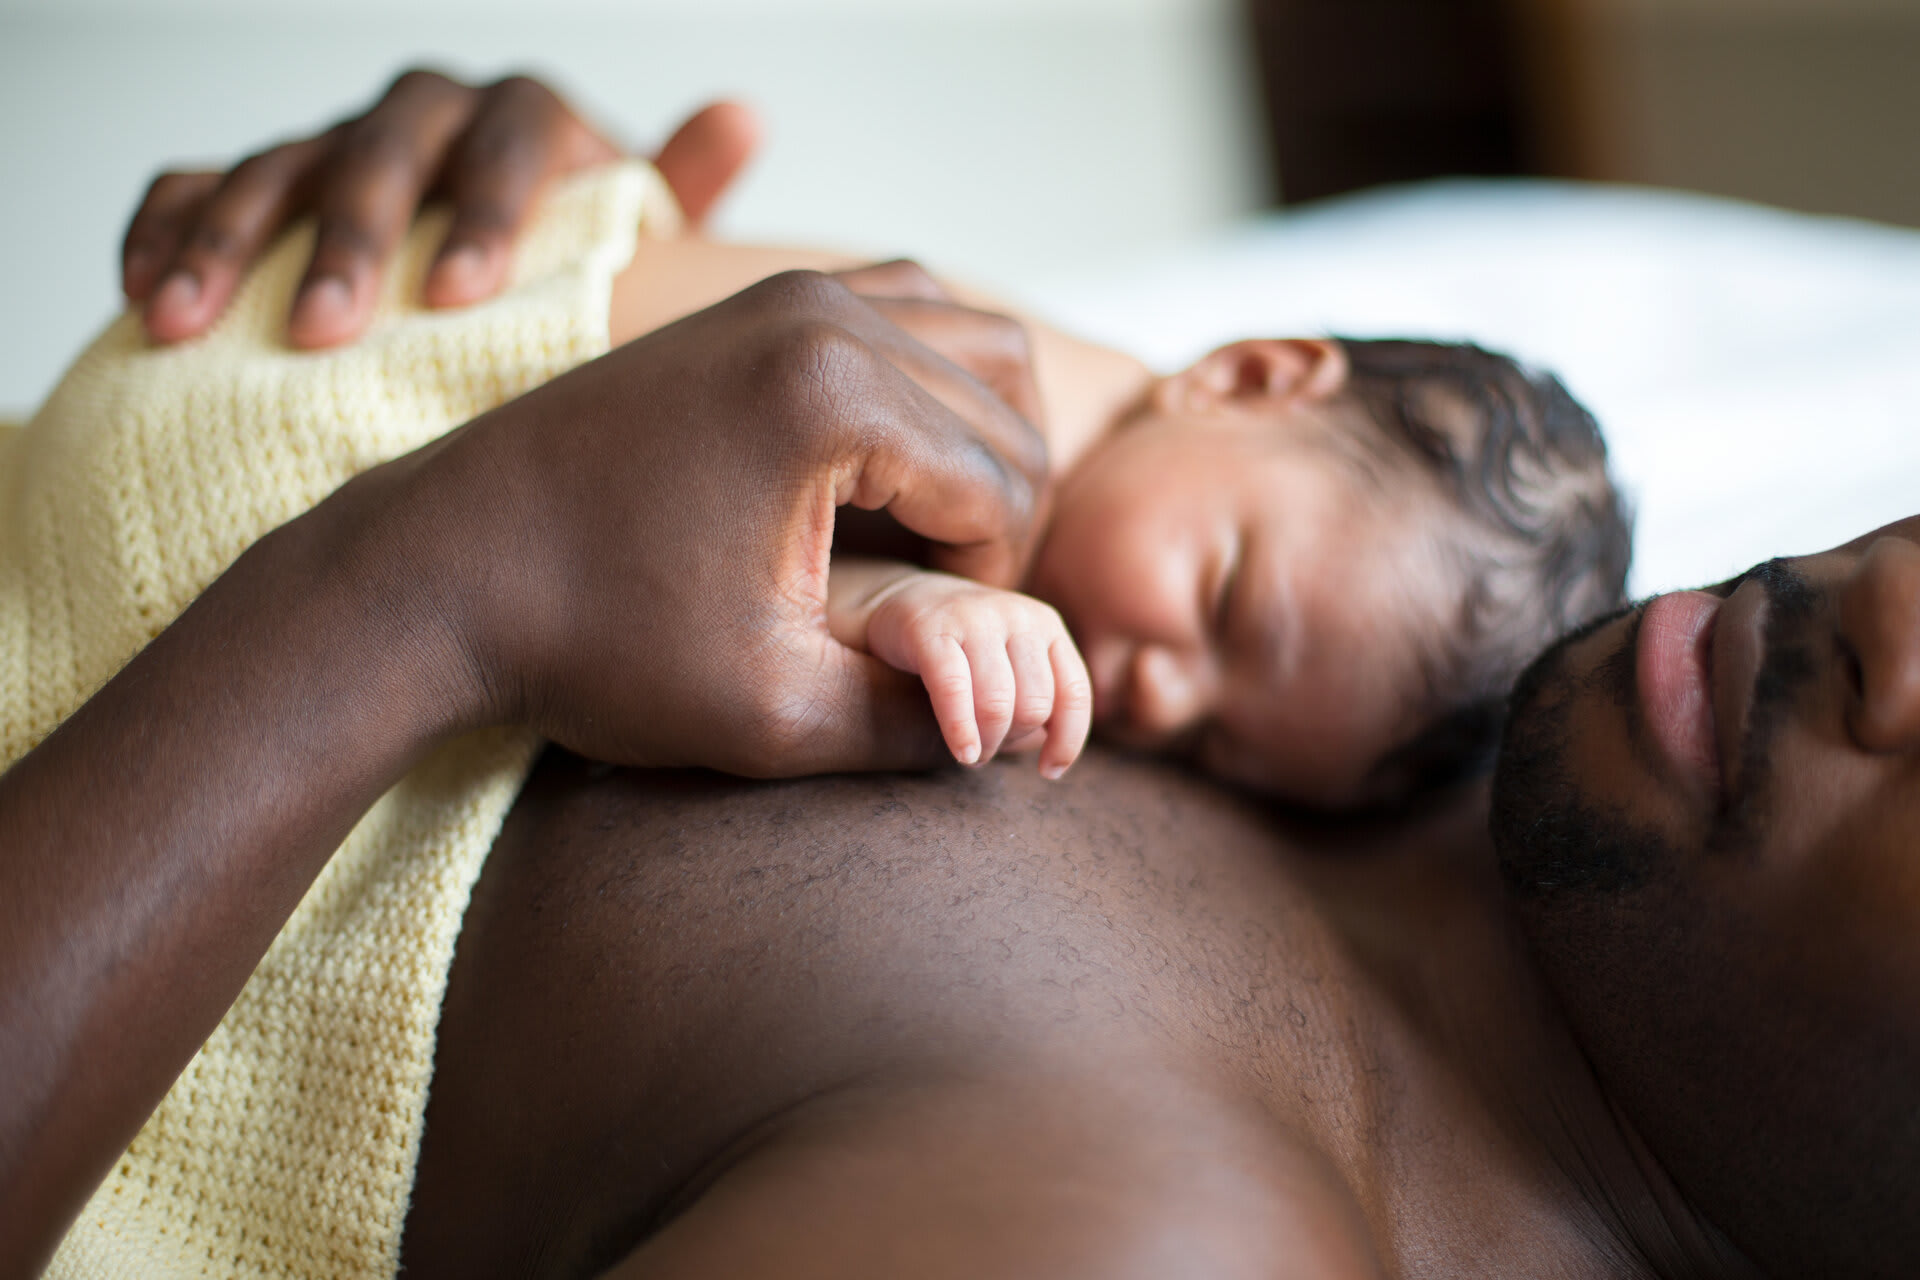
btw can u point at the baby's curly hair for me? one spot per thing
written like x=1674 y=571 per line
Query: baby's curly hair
x=1524 y=461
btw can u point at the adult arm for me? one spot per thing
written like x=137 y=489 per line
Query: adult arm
x=631 y=560
x=488 y=150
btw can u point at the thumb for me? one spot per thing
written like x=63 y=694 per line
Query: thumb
x=704 y=156
x=865 y=716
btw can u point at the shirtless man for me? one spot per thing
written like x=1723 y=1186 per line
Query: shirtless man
x=960 y=1023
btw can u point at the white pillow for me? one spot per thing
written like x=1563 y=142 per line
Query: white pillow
x=1757 y=372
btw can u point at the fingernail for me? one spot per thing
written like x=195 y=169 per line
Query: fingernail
x=1053 y=772
x=464 y=263
x=969 y=754
x=177 y=293
x=325 y=300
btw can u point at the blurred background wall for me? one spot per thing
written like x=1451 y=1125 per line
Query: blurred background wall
x=1012 y=142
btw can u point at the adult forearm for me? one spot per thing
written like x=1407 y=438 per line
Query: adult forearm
x=156 y=843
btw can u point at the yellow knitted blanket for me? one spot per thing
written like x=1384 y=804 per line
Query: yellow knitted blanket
x=287 y=1147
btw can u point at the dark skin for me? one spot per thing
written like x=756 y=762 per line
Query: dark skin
x=488 y=151
x=955 y=1023
x=969 y=1023
x=539 y=566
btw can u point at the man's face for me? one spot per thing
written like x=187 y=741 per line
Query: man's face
x=1709 y=808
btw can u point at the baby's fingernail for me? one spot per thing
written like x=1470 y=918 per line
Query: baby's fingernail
x=969 y=754
x=325 y=301
x=1053 y=772
x=177 y=293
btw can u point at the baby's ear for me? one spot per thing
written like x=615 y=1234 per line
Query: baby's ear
x=1286 y=369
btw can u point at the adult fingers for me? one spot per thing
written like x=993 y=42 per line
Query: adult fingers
x=706 y=154
x=994 y=349
x=520 y=138
x=380 y=170
x=898 y=278
x=991 y=472
x=157 y=227
x=226 y=232
x=935 y=464
x=859 y=713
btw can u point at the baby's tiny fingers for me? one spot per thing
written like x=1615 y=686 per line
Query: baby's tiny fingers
x=1033 y=679
x=994 y=689
x=943 y=668
x=1072 y=708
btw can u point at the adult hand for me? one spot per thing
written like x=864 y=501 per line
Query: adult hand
x=995 y=352
x=634 y=556
x=489 y=151
x=631 y=559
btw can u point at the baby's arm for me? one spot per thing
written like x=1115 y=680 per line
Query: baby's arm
x=1000 y=667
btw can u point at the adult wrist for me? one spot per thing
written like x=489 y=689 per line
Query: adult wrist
x=383 y=594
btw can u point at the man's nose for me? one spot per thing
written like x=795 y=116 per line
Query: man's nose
x=1170 y=691
x=1880 y=624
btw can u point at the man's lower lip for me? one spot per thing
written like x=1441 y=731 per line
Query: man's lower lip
x=1671 y=670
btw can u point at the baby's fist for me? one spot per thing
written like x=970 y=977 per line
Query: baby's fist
x=999 y=666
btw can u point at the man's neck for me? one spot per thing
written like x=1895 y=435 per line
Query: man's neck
x=1496 y=1145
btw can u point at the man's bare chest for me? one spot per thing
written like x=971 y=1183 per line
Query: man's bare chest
x=655 y=967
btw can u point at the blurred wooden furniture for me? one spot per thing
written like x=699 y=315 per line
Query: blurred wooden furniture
x=1812 y=104
x=1364 y=92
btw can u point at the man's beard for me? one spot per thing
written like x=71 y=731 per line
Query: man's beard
x=1552 y=838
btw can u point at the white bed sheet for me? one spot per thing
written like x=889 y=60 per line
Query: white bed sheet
x=1757 y=372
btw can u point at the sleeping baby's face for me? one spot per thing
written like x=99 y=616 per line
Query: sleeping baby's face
x=1246 y=594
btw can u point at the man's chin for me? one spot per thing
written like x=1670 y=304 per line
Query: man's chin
x=1549 y=835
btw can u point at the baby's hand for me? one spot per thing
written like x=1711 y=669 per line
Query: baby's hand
x=1000 y=667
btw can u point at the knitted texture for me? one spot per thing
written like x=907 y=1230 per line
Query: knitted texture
x=288 y=1145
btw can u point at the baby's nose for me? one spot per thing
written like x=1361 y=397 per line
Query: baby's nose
x=1169 y=691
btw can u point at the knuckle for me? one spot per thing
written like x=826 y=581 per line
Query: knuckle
x=805 y=291
x=377 y=144
x=341 y=239
x=501 y=142
x=1074 y=694
x=170 y=185
x=951 y=685
x=806 y=364
x=522 y=91
x=213 y=239
x=995 y=706
x=912 y=279
x=415 y=81
x=1033 y=707
x=263 y=166
x=269 y=166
